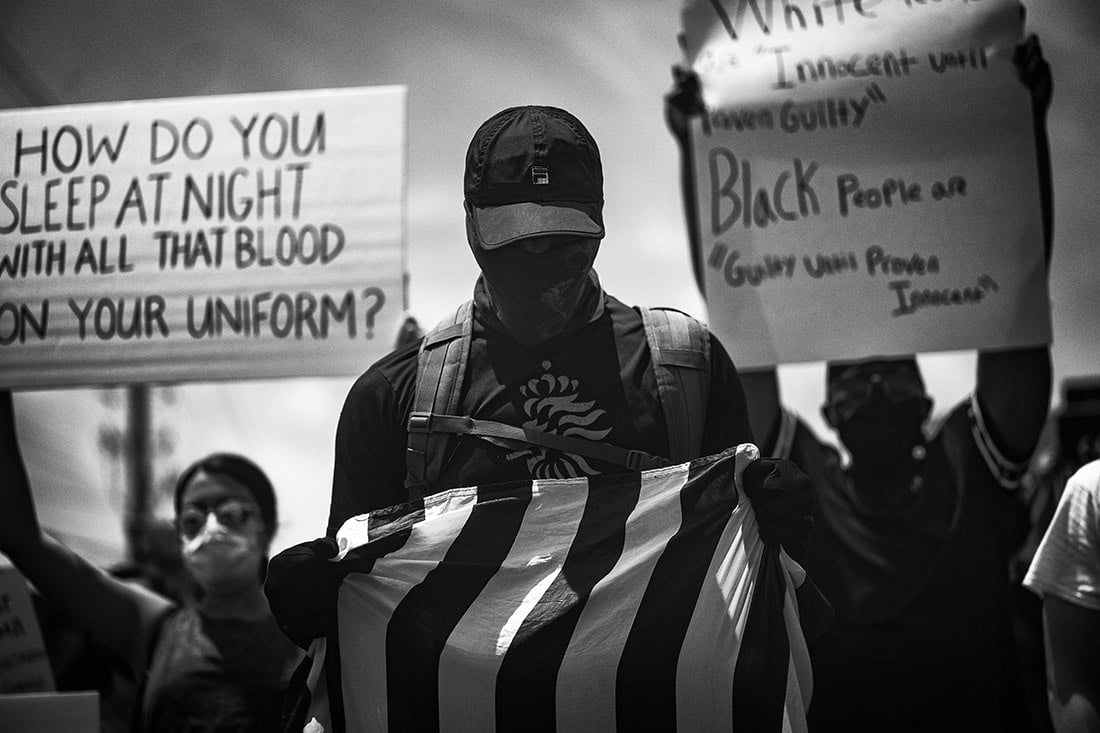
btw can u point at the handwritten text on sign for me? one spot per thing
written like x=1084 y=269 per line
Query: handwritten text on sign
x=24 y=666
x=235 y=236
x=866 y=178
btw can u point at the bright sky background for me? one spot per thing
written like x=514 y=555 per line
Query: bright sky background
x=462 y=60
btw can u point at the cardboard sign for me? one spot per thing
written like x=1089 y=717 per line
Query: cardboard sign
x=24 y=666
x=236 y=236
x=866 y=178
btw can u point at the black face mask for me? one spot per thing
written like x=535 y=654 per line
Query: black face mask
x=538 y=295
x=881 y=433
x=879 y=412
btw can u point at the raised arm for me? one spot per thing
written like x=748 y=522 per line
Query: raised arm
x=761 y=386
x=682 y=103
x=121 y=616
x=1013 y=386
x=762 y=397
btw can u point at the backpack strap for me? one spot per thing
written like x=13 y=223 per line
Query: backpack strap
x=680 y=348
x=511 y=436
x=441 y=366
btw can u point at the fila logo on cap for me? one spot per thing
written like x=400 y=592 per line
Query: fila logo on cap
x=540 y=175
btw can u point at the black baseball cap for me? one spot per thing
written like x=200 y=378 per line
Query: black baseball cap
x=532 y=171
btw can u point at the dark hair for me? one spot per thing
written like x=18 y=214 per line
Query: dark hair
x=240 y=469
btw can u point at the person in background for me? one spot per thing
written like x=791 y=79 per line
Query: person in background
x=1065 y=573
x=218 y=665
x=912 y=539
x=1071 y=439
x=79 y=662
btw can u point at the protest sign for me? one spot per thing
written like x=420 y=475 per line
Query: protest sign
x=233 y=236
x=24 y=666
x=866 y=178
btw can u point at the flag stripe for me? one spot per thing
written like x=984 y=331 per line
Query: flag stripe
x=318 y=707
x=705 y=669
x=631 y=601
x=471 y=659
x=527 y=683
x=429 y=612
x=760 y=680
x=645 y=695
x=334 y=672
x=800 y=684
x=586 y=682
x=369 y=596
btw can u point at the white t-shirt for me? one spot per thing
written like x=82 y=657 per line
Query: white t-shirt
x=1067 y=563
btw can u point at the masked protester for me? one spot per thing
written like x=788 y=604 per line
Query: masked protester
x=218 y=664
x=913 y=535
x=878 y=409
x=541 y=375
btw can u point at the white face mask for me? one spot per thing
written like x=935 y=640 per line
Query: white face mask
x=223 y=544
x=217 y=556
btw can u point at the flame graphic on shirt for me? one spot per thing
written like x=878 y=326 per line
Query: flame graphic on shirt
x=553 y=405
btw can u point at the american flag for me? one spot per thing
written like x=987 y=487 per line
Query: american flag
x=640 y=601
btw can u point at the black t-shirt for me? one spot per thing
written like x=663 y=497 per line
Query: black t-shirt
x=922 y=638
x=596 y=382
x=211 y=674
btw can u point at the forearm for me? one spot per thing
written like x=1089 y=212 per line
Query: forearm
x=1072 y=646
x=1046 y=184
x=118 y=615
x=54 y=569
x=691 y=219
x=20 y=522
x=1013 y=386
x=762 y=399
x=682 y=104
x=1076 y=713
x=1036 y=75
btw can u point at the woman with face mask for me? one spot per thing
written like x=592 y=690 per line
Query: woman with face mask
x=220 y=663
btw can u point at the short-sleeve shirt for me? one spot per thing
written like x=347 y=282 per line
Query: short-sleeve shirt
x=597 y=380
x=922 y=637
x=1067 y=563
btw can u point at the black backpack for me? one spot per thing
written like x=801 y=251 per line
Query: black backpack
x=679 y=346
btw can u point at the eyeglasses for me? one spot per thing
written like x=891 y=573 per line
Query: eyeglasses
x=847 y=395
x=230 y=513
